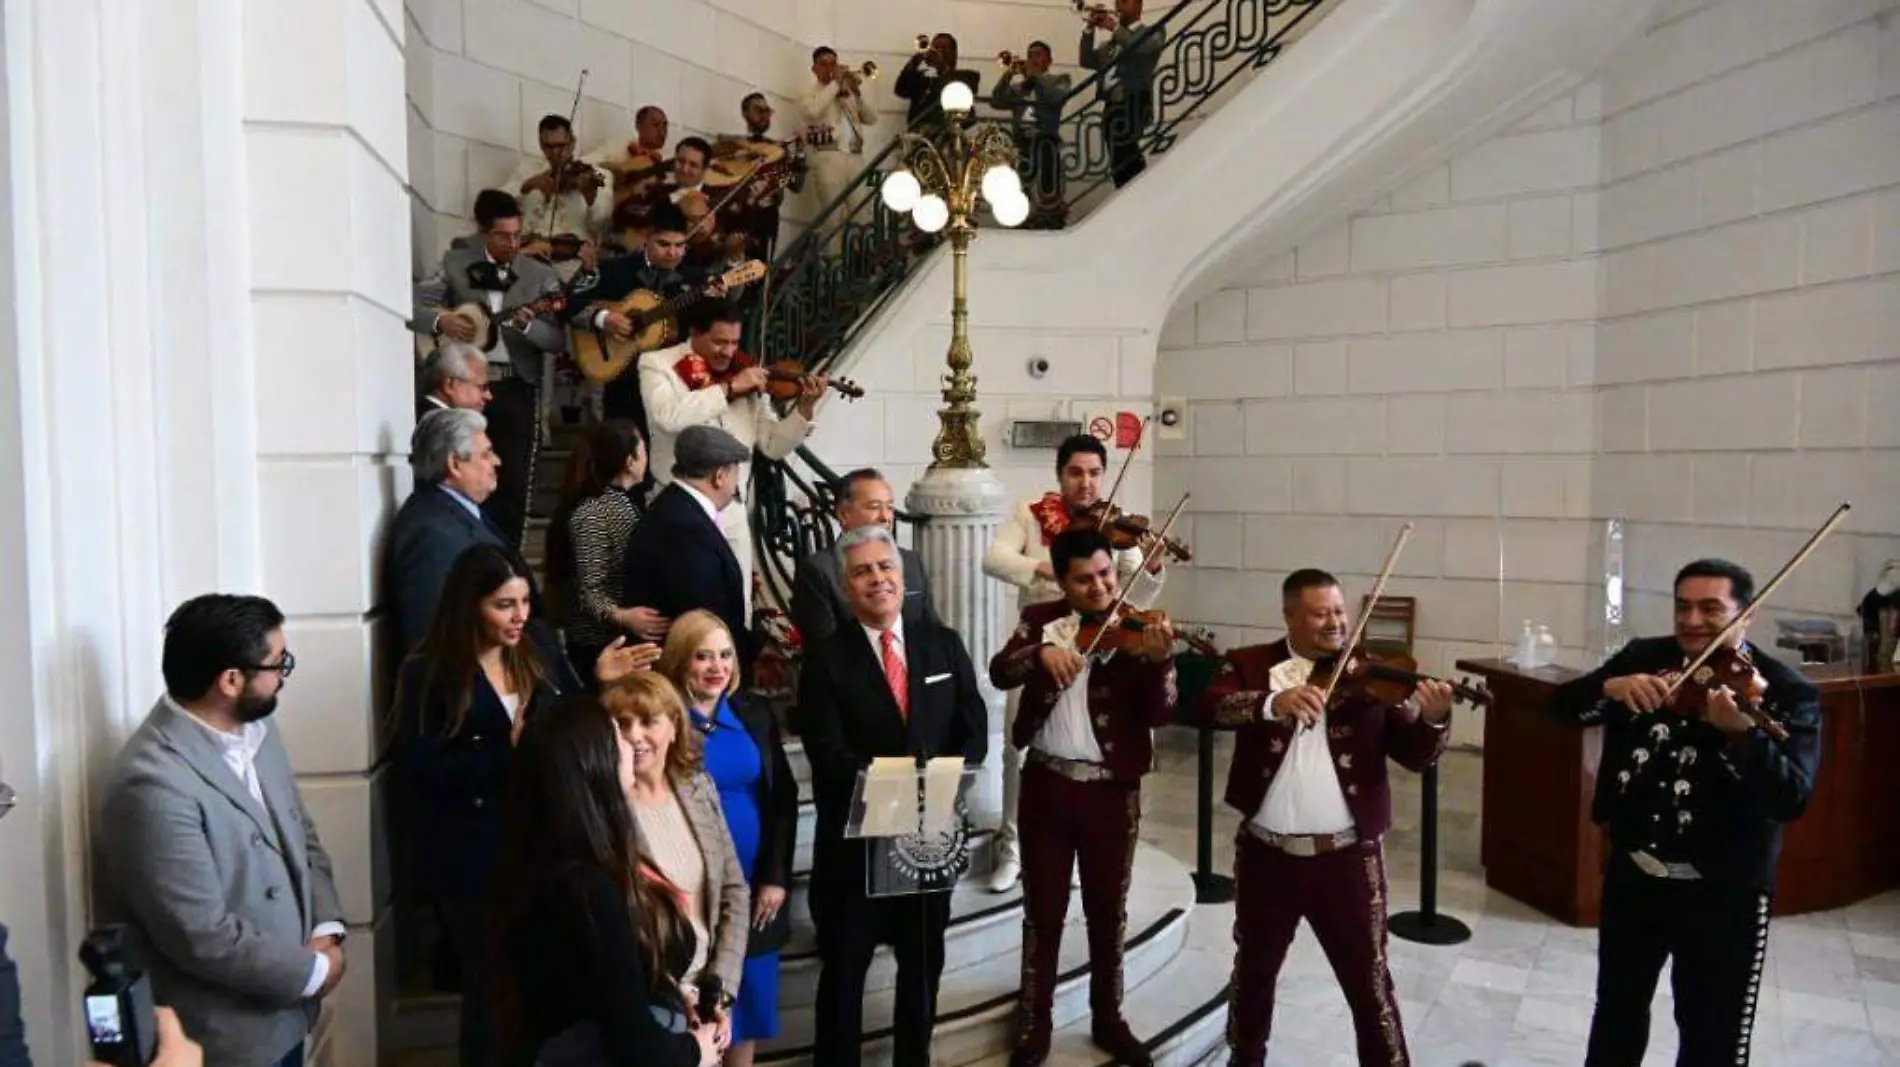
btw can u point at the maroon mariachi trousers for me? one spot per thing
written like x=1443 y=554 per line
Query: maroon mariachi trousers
x=1342 y=894
x=1063 y=823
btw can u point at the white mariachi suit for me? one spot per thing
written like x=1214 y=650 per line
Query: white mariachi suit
x=1013 y=557
x=672 y=406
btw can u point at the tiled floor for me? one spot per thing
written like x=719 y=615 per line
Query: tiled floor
x=1518 y=994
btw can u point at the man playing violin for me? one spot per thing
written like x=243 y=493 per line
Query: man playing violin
x=1693 y=788
x=1087 y=725
x=1020 y=555
x=659 y=267
x=1309 y=779
x=708 y=382
x=562 y=202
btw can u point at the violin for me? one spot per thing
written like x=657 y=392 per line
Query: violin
x=1125 y=531
x=1386 y=678
x=1129 y=624
x=1725 y=667
x=785 y=379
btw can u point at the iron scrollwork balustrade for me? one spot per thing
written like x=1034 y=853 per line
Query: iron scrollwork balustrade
x=830 y=282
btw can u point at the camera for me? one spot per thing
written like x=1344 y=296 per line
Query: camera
x=1038 y=366
x=119 y=1016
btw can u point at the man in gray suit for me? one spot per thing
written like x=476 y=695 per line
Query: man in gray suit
x=1035 y=103
x=864 y=499
x=486 y=272
x=209 y=851
x=1127 y=62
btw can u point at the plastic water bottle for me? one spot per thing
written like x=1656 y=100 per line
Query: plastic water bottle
x=1546 y=647
x=1526 y=654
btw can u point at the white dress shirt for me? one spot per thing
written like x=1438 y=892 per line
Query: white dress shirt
x=572 y=213
x=1304 y=797
x=239 y=751
x=705 y=504
x=876 y=637
x=1068 y=733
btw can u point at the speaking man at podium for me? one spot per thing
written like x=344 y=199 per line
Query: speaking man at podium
x=879 y=686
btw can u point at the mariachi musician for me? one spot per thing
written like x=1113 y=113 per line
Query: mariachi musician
x=755 y=215
x=565 y=202
x=1309 y=781
x=638 y=167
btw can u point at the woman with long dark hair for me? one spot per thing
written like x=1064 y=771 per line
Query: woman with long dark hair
x=587 y=540
x=591 y=943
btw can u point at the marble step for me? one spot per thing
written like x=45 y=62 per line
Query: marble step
x=982 y=924
x=976 y=1005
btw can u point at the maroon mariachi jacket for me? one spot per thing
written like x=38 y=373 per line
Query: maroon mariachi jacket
x=1360 y=733
x=1128 y=696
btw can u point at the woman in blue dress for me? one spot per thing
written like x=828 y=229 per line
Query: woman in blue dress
x=746 y=759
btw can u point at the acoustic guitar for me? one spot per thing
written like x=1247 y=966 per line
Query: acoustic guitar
x=603 y=356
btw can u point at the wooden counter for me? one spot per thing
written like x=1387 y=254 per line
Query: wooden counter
x=1539 y=845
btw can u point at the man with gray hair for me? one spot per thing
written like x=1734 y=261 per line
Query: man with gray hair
x=454 y=376
x=455 y=471
x=818 y=603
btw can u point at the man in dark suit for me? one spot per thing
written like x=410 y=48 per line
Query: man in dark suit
x=1127 y=62
x=455 y=471
x=1309 y=781
x=486 y=272
x=818 y=603
x=880 y=686
x=677 y=558
x=455 y=375
x=1694 y=807
x=1087 y=725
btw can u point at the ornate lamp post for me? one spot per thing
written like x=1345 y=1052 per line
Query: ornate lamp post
x=940 y=185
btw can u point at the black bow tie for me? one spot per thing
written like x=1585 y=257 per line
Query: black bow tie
x=488 y=275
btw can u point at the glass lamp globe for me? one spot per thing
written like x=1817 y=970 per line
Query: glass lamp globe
x=901 y=191
x=931 y=213
x=1011 y=210
x=1000 y=183
x=957 y=97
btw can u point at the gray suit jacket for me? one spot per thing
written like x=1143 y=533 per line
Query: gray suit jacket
x=818 y=602
x=1134 y=54
x=1044 y=95
x=731 y=920
x=220 y=893
x=449 y=287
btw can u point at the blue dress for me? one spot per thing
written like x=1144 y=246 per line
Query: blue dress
x=738 y=769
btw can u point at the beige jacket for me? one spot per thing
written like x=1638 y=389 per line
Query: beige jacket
x=731 y=916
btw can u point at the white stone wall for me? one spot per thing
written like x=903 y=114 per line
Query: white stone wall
x=1427 y=359
x=1749 y=360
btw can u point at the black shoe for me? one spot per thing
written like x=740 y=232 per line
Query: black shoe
x=1115 y=1038
x=1030 y=1051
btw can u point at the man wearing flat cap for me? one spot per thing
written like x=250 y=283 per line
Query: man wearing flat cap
x=678 y=558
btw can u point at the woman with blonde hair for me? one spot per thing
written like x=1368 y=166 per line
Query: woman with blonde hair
x=745 y=758
x=682 y=833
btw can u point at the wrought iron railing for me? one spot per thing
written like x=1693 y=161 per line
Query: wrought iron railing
x=831 y=281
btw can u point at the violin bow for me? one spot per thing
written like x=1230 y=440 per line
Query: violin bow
x=574 y=146
x=1147 y=556
x=1372 y=602
x=1742 y=617
x=1127 y=462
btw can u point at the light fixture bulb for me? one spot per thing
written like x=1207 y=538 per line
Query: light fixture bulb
x=957 y=97
x=901 y=190
x=1011 y=210
x=931 y=213
x=1000 y=183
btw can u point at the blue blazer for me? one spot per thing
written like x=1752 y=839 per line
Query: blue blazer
x=429 y=531
x=457 y=782
x=678 y=560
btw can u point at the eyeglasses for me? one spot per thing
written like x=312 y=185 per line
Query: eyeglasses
x=283 y=666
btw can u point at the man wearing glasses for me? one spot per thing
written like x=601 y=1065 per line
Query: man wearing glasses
x=209 y=854
x=515 y=296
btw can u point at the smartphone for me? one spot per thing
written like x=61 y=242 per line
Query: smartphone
x=119 y=1018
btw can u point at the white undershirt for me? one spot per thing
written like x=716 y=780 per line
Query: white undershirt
x=1067 y=733
x=1304 y=796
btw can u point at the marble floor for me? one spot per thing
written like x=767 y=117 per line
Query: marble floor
x=1518 y=994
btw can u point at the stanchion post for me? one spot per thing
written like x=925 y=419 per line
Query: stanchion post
x=1209 y=888
x=1426 y=926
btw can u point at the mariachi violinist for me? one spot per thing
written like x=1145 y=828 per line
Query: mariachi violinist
x=1693 y=805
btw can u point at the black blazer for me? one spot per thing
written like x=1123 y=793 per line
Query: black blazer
x=1741 y=793
x=429 y=532
x=13 y=1051
x=778 y=811
x=846 y=715
x=458 y=781
x=678 y=560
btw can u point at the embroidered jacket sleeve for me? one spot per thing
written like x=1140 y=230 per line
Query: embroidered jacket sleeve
x=1143 y=588
x=431 y=299
x=1229 y=702
x=1016 y=662
x=671 y=407
x=1779 y=775
x=1411 y=741
x=779 y=437
x=1159 y=692
x=1581 y=700
x=1008 y=558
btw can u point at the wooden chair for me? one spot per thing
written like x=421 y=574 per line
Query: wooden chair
x=1393 y=624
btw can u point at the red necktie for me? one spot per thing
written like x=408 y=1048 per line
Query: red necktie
x=895 y=674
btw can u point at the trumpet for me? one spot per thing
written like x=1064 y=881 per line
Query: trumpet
x=1098 y=16
x=853 y=78
x=1012 y=62
x=923 y=43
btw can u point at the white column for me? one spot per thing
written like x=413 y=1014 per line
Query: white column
x=965 y=508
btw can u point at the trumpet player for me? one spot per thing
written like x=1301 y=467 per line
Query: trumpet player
x=1034 y=98
x=923 y=78
x=1127 y=60
x=837 y=101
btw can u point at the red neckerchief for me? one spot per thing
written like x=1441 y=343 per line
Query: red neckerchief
x=1052 y=514
x=697 y=374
